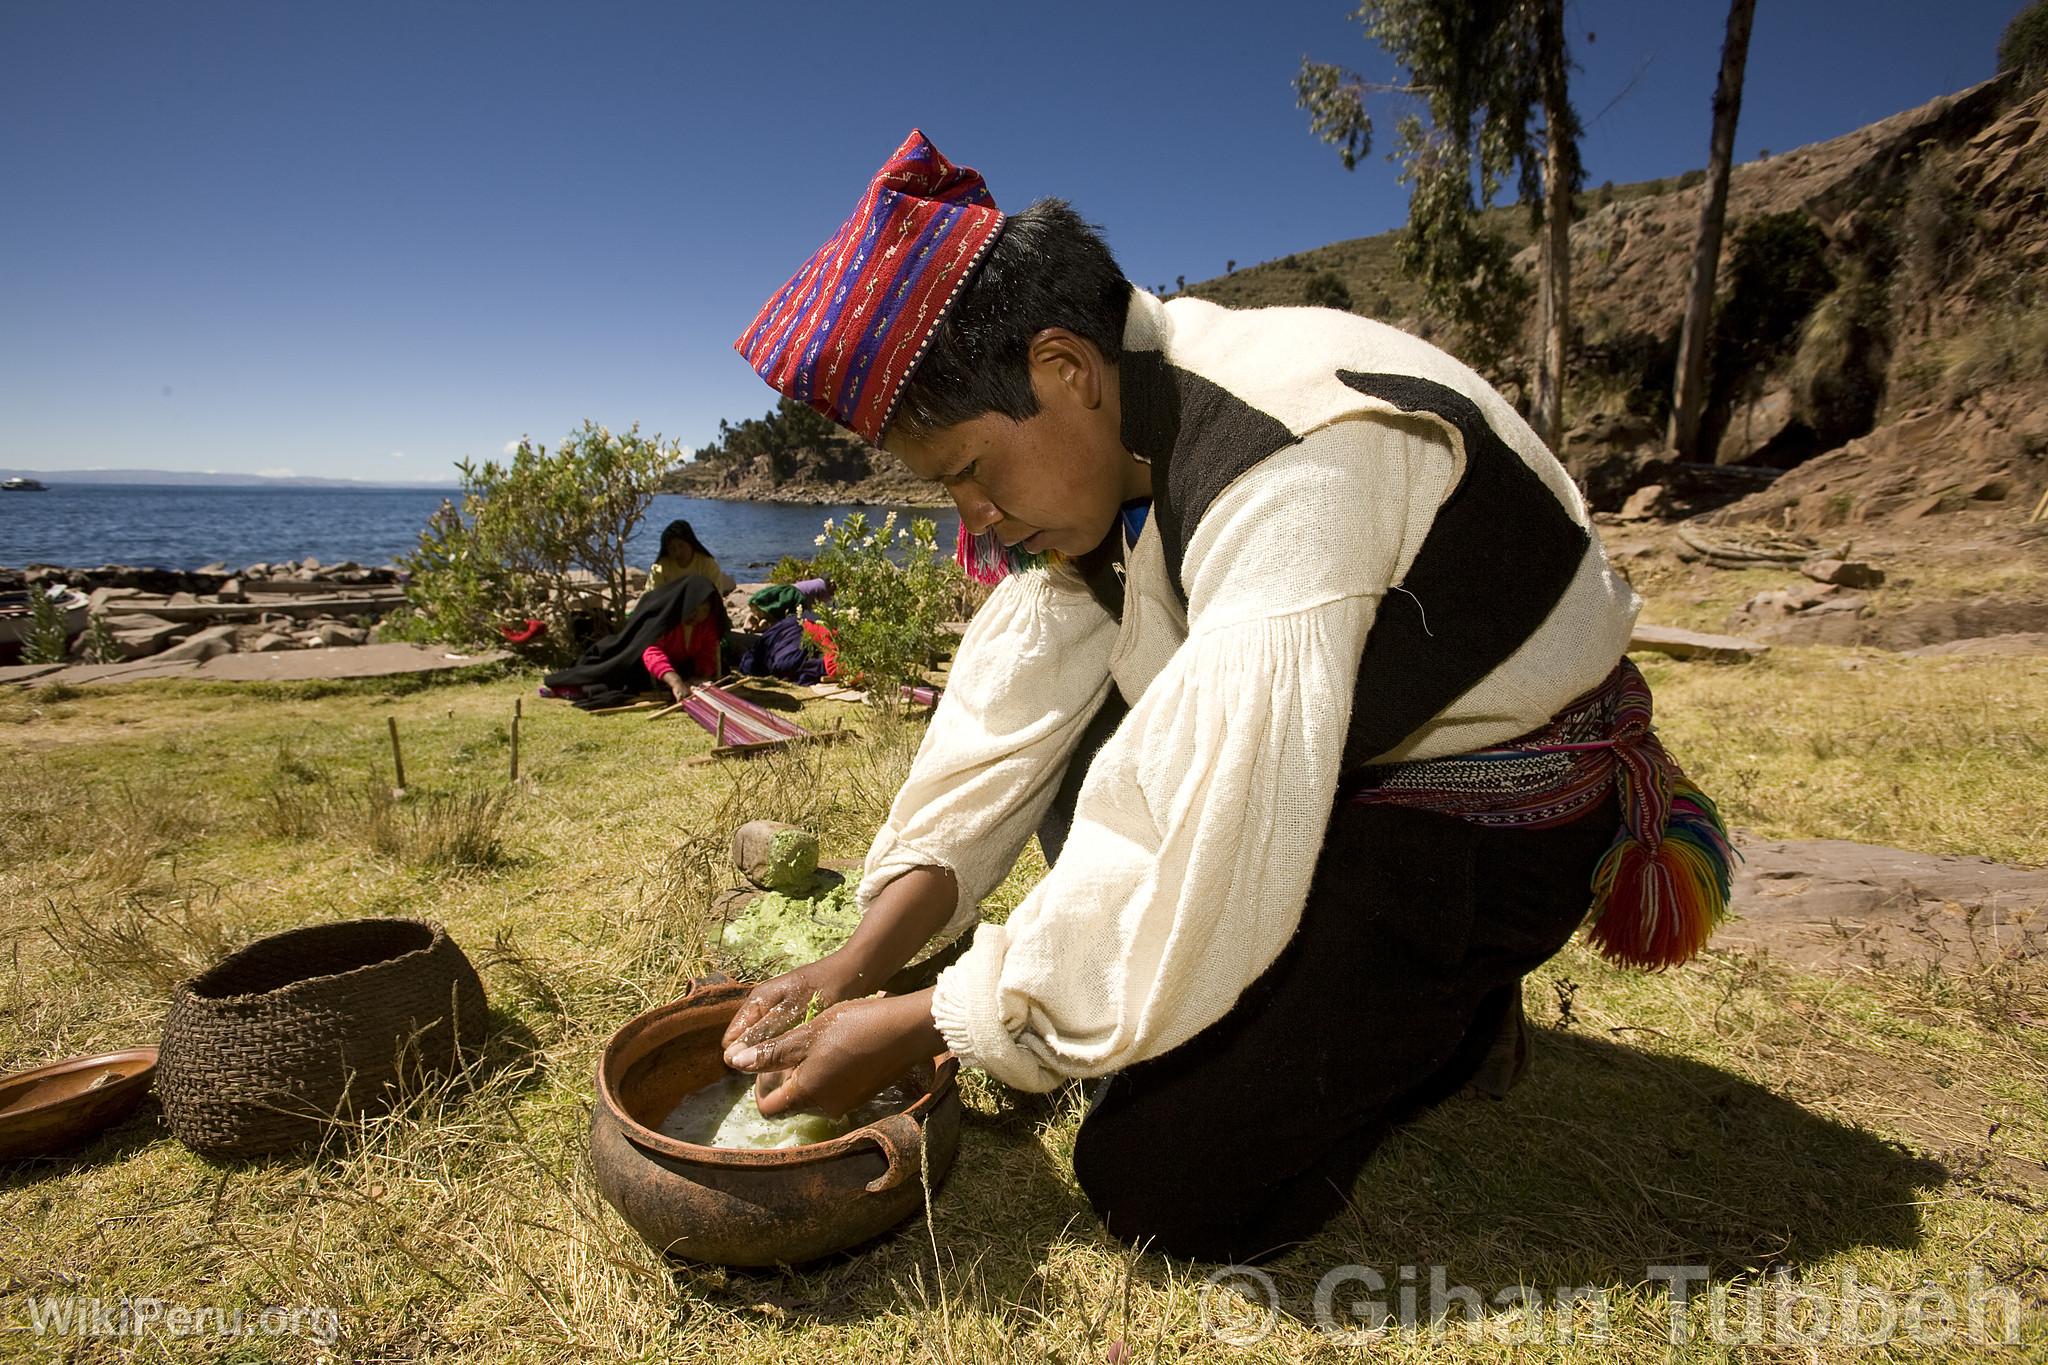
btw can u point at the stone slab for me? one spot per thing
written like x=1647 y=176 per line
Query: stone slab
x=1691 y=644
x=363 y=661
x=1831 y=903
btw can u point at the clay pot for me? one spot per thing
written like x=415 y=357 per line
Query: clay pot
x=735 y=1207
x=61 y=1105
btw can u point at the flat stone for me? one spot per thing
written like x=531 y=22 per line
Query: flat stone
x=140 y=641
x=1643 y=504
x=335 y=633
x=1847 y=573
x=1688 y=644
x=267 y=643
x=2013 y=645
x=218 y=566
x=202 y=646
x=1831 y=903
x=181 y=599
x=231 y=591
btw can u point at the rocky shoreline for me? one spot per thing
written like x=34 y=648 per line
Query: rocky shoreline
x=198 y=614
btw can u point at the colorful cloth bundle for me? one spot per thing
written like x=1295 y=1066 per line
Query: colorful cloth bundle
x=734 y=720
x=1663 y=885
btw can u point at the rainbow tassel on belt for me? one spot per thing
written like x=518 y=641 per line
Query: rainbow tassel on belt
x=1662 y=887
x=987 y=561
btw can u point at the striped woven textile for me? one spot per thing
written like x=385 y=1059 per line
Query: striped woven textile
x=745 y=723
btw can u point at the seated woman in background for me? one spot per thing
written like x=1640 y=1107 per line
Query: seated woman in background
x=671 y=639
x=686 y=650
x=683 y=554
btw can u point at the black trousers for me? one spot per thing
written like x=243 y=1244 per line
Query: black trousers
x=1418 y=929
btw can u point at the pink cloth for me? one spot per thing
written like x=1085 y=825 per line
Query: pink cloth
x=690 y=648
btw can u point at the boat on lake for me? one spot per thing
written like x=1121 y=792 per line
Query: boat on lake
x=24 y=485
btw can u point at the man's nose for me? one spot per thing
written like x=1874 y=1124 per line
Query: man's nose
x=977 y=513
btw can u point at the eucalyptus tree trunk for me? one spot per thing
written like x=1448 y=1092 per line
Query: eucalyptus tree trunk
x=1689 y=392
x=1554 y=287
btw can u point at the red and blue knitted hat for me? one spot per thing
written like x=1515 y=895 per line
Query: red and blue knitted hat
x=844 y=333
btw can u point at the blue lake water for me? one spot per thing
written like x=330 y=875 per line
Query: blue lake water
x=183 y=528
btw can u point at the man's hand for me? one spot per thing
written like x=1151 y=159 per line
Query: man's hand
x=676 y=684
x=846 y=1054
x=783 y=1002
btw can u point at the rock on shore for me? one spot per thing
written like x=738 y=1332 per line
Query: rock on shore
x=200 y=613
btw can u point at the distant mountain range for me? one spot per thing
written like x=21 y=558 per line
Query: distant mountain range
x=181 y=478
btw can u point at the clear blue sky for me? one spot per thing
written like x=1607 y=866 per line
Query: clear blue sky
x=364 y=240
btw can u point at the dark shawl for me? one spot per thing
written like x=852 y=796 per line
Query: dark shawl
x=609 y=670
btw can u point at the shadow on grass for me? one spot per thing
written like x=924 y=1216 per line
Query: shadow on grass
x=1606 y=1161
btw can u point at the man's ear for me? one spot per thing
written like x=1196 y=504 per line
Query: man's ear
x=1067 y=362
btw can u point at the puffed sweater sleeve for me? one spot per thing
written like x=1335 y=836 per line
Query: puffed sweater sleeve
x=1200 y=821
x=1031 y=671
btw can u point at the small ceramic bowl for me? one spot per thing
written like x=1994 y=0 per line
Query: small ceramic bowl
x=61 y=1105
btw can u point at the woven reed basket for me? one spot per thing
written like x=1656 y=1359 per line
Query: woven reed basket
x=265 y=1049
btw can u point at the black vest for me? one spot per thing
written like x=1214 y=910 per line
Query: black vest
x=1498 y=557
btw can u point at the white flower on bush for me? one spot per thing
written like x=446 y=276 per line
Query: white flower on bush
x=818 y=540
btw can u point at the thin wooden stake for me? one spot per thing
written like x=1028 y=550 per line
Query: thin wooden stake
x=397 y=755
x=2040 y=508
x=516 y=703
x=718 y=740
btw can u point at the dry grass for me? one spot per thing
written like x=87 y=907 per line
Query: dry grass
x=1945 y=755
x=1735 y=1113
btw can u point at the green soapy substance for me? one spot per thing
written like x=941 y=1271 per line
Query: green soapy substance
x=725 y=1113
x=777 y=933
x=792 y=861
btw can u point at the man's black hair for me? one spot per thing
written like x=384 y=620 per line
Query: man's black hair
x=1046 y=268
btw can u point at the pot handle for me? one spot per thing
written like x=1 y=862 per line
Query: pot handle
x=708 y=979
x=900 y=1137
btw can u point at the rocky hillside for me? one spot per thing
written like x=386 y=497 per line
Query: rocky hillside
x=1884 y=304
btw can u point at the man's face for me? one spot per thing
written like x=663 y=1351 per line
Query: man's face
x=1053 y=481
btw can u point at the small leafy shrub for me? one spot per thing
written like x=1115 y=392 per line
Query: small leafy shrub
x=1324 y=290
x=2024 y=45
x=891 y=591
x=790 y=569
x=46 y=641
x=540 y=535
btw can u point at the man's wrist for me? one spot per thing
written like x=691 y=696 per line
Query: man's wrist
x=921 y=1037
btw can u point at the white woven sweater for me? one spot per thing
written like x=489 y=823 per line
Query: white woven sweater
x=1199 y=823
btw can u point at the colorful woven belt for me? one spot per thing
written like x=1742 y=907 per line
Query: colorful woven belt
x=1663 y=885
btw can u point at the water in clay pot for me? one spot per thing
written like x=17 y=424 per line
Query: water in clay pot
x=726 y=1113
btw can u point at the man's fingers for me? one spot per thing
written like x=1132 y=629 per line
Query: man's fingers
x=750 y=1010
x=778 y=1053
x=793 y=1093
x=776 y=1020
